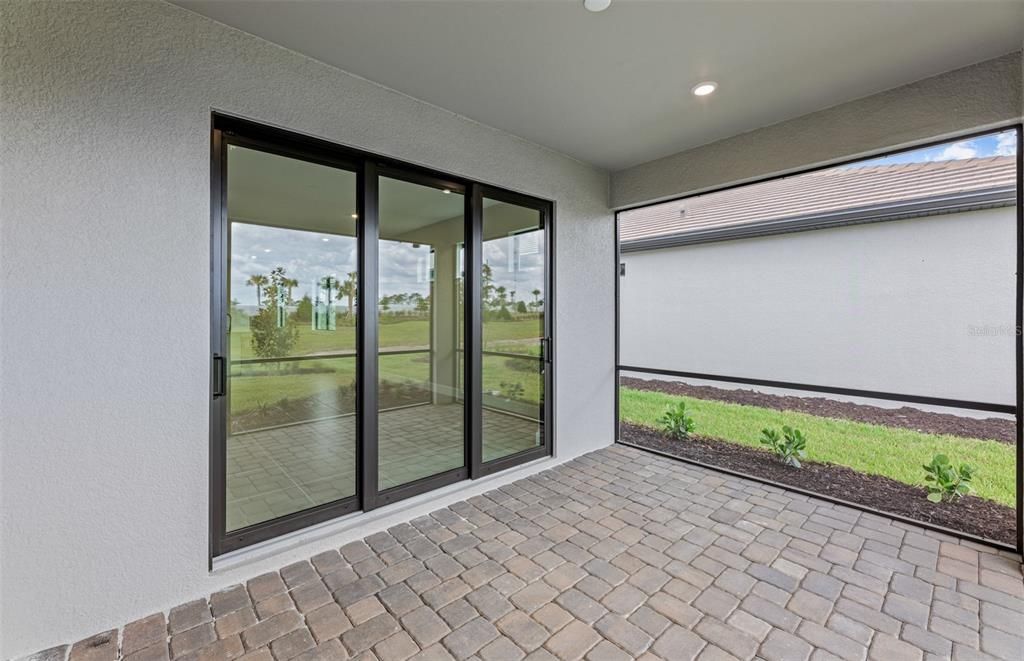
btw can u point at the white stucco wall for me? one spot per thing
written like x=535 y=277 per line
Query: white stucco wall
x=887 y=307
x=104 y=277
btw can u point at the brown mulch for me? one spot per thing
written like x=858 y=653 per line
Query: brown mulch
x=970 y=514
x=997 y=429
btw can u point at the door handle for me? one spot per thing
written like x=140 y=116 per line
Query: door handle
x=545 y=349
x=219 y=376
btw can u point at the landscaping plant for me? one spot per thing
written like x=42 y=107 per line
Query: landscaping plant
x=790 y=448
x=512 y=390
x=945 y=481
x=894 y=452
x=676 y=423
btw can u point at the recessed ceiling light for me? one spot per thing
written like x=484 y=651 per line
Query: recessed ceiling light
x=596 y=5
x=325 y=239
x=705 y=88
x=266 y=250
x=355 y=215
x=446 y=191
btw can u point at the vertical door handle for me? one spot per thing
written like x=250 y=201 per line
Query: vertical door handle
x=219 y=376
x=545 y=349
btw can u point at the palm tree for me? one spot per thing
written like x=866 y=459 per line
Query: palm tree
x=259 y=281
x=327 y=283
x=348 y=289
x=486 y=285
x=536 y=298
x=289 y=284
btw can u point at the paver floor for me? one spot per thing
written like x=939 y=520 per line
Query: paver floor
x=618 y=554
x=274 y=472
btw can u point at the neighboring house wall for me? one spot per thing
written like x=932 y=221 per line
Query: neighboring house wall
x=887 y=306
x=979 y=96
x=105 y=309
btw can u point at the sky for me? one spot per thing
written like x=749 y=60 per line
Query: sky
x=994 y=144
x=308 y=257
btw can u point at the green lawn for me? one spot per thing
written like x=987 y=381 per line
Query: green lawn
x=270 y=382
x=411 y=333
x=270 y=386
x=890 y=451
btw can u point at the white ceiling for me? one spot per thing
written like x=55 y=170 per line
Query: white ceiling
x=267 y=189
x=613 y=88
x=278 y=191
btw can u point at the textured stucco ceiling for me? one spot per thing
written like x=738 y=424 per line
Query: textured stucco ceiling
x=613 y=89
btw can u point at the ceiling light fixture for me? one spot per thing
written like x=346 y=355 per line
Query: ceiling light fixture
x=325 y=239
x=446 y=191
x=355 y=215
x=705 y=88
x=596 y=5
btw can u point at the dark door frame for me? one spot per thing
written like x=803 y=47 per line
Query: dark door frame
x=479 y=467
x=227 y=130
x=372 y=496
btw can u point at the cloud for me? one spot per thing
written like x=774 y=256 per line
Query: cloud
x=306 y=257
x=957 y=150
x=1006 y=145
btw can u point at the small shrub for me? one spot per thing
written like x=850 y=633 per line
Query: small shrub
x=946 y=482
x=790 y=448
x=676 y=423
x=510 y=390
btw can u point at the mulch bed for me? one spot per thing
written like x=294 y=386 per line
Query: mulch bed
x=970 y=514
x=906 y=417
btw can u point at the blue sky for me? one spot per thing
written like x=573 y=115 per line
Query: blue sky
x=995 y=144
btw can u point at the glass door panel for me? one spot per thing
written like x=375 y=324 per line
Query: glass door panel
x=291 y=363
x=420 y=403
x=513 y=291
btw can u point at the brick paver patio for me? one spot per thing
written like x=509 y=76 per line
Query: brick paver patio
x=618 y=554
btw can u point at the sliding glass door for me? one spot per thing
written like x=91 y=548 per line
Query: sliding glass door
x=378 y=331
x=289 y=369
x=421 y=421
x=515 y=332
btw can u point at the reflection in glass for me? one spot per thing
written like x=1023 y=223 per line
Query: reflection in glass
x=292 y=352
x=419 y=398
x=512 y=300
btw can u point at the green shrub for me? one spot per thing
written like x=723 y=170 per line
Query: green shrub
x=511 y=390
x=946 y=482
x=790 y=448
x=676 y=423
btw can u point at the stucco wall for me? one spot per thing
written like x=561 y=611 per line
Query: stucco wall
x=920 y=307
x=979 y=96
x=104 y=317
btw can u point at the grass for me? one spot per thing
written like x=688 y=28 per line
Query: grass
x=269 y=387
x=265 y=384
x=272 y=386
x=410 y=333
x=889 y=451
